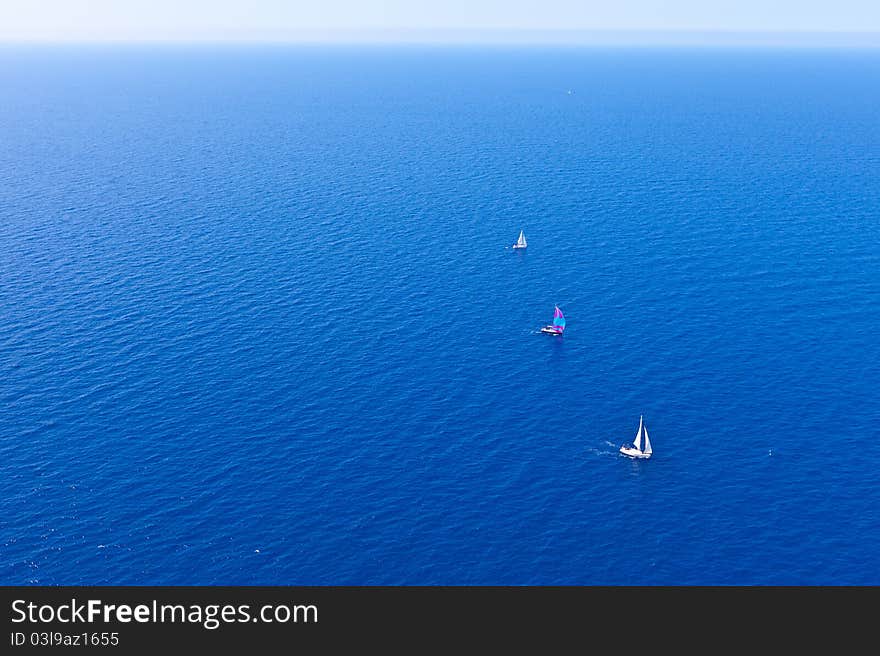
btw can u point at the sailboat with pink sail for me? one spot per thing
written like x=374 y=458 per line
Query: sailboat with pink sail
x=558 y=325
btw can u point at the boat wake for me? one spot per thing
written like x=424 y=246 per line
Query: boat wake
x=599 y=452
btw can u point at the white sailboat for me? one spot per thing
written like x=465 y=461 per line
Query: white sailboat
x=521 y=242
x=641 y=445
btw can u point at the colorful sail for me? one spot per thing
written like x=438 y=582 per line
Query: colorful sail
x=558 y=319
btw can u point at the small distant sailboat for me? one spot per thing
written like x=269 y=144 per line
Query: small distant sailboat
x=521 y=242
x=641 y=445
x=558 y=325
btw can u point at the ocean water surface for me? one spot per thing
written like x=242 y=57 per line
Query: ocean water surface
x=260 y=321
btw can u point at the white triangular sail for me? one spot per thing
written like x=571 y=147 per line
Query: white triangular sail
x=637 y=443
x=521 y=242
x=641 y=445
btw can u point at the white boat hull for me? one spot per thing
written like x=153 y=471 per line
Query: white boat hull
x=550 y=331
x=518 y=246
x=633 y=453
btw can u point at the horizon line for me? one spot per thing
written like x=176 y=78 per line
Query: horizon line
x=480 y=36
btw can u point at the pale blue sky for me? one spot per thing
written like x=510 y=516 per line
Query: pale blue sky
x=344 y=19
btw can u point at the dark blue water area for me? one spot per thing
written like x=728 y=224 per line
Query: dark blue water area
x=260 y=321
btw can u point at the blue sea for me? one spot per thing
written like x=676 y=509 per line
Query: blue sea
x=261 y=322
